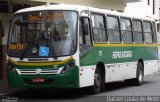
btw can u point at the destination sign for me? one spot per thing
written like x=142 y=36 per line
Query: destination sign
x=49 y=16
x=16 y=46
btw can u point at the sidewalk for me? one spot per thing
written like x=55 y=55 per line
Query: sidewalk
x=4 y=88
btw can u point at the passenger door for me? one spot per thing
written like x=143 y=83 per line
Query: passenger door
x=84 y=35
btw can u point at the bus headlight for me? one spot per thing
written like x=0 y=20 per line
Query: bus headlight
x=68 y=66
x=11 y=68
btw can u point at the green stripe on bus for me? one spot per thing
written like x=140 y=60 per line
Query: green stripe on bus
x=107 y=54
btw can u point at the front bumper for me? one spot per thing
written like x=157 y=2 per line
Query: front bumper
x=67 y=80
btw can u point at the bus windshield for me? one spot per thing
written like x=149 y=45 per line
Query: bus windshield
x=43 y=34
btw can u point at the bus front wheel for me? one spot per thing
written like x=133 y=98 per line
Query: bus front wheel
x=96 y=88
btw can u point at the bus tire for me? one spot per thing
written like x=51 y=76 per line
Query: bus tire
x=96 y=88
x=140 y=74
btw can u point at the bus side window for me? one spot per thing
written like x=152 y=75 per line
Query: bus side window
x=126 y=30
x=154 y=32
x=99 y=28
x=147 y=32
x=113 y=29
x=137 y=31
x=84 y=35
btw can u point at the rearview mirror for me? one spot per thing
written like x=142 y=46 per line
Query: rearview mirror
x=85 y=25
x=86 y=29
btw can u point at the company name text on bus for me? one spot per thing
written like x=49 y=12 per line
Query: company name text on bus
x=121 y=54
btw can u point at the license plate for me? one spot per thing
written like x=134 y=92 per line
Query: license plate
x=38 y=80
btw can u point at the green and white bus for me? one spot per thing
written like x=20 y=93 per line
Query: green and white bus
x=70 y=46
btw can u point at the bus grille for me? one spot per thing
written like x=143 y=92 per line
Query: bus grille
x=38 y=71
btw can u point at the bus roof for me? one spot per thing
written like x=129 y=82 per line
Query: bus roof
x=79 y=9
x=54 y=7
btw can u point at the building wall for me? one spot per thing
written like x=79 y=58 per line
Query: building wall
x=0 y=54
x=5 y=17
x=143 y=8
x=6 y=22
x=107 y=4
